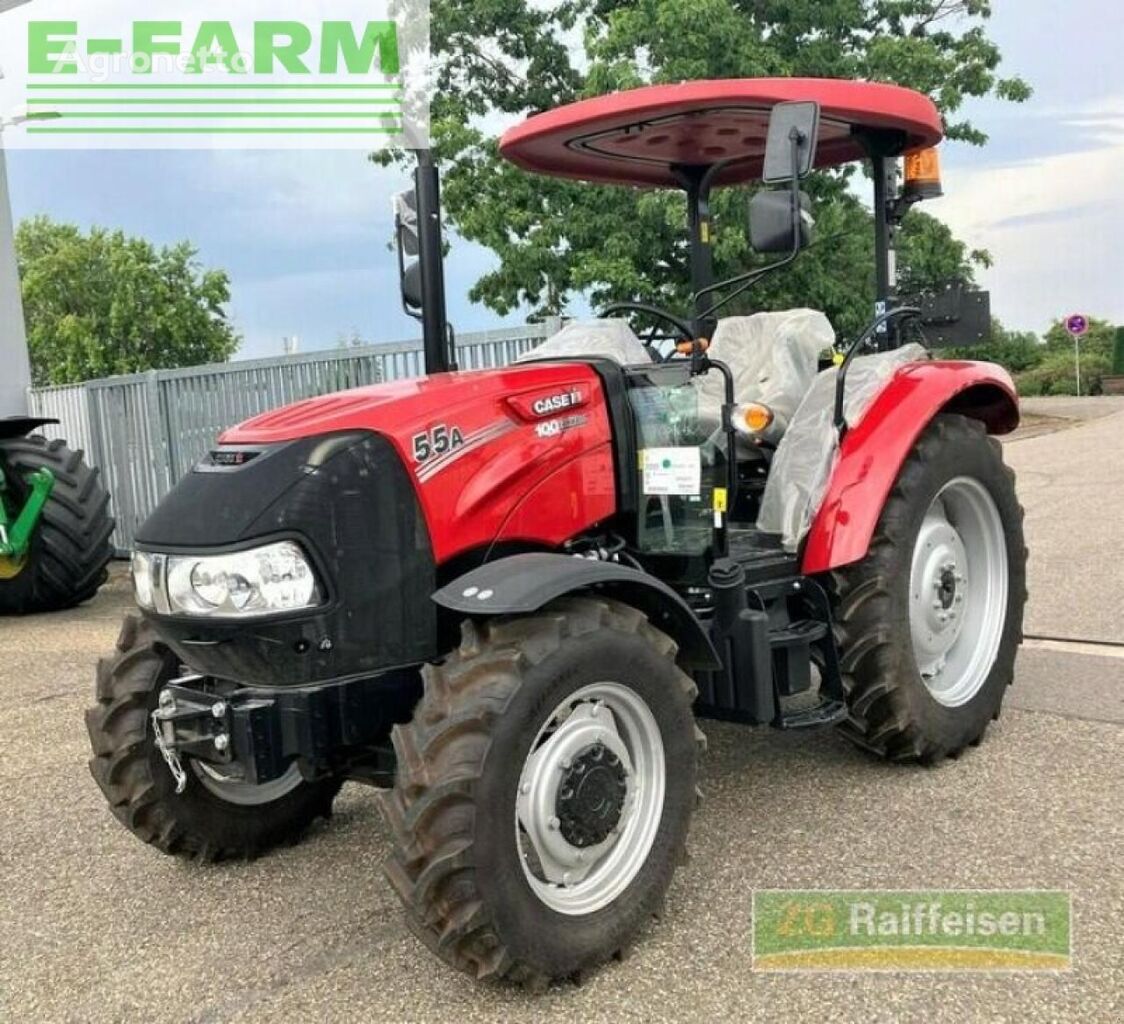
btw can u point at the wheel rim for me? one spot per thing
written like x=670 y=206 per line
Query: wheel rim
x=590 y=798
x=958 y=591
x=11 y=567
x=246 y=794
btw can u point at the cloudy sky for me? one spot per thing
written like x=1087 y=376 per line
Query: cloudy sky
x=304 y=234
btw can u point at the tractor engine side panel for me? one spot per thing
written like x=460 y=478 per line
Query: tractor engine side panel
x=523 y=453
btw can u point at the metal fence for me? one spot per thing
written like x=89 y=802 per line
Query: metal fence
x=146 y=430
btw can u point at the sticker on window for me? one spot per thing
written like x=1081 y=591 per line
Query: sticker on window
x=671 y=471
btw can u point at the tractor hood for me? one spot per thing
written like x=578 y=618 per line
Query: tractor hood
x=390 y=407
x=477 y=446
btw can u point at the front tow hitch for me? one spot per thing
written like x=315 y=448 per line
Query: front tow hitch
x=186 y=722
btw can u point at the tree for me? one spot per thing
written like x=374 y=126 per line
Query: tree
x=497 y=59
x=100 y=304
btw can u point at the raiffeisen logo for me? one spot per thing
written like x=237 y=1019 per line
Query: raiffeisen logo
x=119 y=74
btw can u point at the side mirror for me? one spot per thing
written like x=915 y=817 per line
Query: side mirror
x=412 y=287
x=406 y=241
x=406 y=222
x=776 y=224
x=790 y=147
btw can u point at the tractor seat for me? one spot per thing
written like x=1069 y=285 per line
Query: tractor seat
x=607 y=339
x=774 y=358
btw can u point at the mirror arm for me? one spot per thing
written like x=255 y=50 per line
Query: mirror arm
x=751 y=277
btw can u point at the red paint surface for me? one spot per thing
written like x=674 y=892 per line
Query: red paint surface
x=873 y=451
x=635 y=137
x=514 y=486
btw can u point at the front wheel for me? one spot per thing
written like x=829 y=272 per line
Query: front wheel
x=545 y=786
x=930 y=621
x=215 y=817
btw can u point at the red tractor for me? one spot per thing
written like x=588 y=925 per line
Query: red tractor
x=506 y=596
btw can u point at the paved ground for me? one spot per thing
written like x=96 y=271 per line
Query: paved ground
x=96 y=927
x=1071 y=482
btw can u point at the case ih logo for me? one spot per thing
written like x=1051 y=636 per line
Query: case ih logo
x=551 y=404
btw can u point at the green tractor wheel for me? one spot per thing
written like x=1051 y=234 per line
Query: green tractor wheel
x=65 y=561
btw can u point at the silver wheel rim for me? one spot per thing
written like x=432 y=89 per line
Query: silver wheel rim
x=958 y=591
x=571 y=879
x=246 y=794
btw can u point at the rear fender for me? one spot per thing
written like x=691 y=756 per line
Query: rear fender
x=872 y=453
x=523 y=584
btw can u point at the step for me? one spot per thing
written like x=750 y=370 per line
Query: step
x=801 y=632
x=830 y=712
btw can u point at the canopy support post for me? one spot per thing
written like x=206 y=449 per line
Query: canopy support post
x=698 y=227
x=884 y=148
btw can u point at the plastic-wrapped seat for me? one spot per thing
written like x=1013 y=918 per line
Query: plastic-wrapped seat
x=606 y=339
x=774 y=358
x=805 y=458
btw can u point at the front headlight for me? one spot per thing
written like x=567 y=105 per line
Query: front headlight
x=261 y=581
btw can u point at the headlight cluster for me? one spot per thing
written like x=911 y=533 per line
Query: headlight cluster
x=261 y=581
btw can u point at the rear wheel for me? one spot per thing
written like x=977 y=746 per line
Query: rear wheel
x=70 y=549
x=545 y=787
x=930 y=621
x=216 y=816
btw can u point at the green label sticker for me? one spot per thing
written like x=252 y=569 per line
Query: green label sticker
x=938 y=930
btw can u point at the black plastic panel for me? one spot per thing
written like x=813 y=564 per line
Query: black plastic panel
x=348 y=501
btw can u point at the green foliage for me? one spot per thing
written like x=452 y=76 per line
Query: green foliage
x=1118 y=352
x=1016 y=350
x=498 y=59
x=1054 y=373
x=100 y=304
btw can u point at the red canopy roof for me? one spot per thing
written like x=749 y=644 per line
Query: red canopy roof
x=637 y=137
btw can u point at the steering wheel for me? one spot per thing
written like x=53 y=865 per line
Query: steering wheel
x=684 y=331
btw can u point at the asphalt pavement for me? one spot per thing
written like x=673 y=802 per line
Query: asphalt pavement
x=95 y=927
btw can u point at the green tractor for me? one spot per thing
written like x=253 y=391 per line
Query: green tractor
x=55 y=525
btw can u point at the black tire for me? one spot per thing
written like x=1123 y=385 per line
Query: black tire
x=132 y=774
x=455 y=863
x=71 y=548
x=892 y=712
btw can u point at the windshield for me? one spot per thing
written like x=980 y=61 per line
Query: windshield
x=678 y=464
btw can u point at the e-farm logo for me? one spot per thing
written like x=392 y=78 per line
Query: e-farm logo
x=1026 y=930
x=200 y=73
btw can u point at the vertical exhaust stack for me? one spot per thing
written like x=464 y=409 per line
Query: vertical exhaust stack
x=418 y=233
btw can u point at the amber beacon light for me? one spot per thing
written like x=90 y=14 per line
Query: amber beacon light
x=923 y=175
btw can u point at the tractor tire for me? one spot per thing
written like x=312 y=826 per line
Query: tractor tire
x=929 y=623
x=70 y=551
x=211 y=819
x=473 y=807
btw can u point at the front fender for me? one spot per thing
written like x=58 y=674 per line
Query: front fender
x=872 y=453
x=522 y=584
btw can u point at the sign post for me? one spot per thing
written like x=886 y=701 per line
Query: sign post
x=1077 y=325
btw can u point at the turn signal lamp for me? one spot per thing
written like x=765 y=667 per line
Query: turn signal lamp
x=752 y=419
x=687 y=348
x=922 y=175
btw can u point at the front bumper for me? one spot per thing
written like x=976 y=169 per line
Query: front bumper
x=253 y=735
